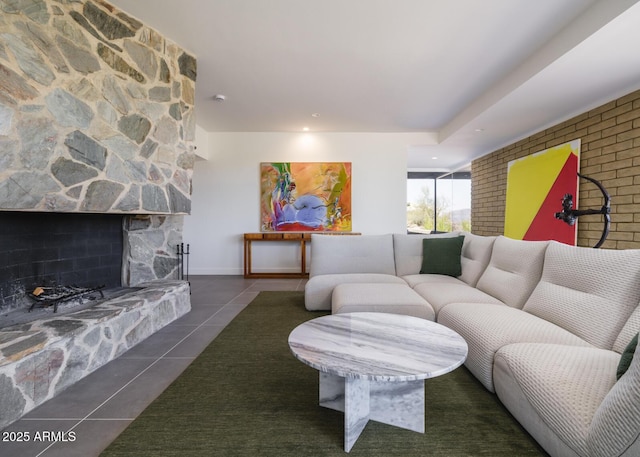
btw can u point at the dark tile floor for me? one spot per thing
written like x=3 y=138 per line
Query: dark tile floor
x=95 y=410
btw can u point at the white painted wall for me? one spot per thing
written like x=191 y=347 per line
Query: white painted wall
x=226 y=191
x=202 y=144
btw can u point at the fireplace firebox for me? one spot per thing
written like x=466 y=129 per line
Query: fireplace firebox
x=53 y=249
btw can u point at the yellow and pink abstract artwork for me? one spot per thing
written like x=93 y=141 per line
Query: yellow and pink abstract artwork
x=305 y=196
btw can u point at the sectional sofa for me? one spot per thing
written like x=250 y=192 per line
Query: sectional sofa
x=548 y=325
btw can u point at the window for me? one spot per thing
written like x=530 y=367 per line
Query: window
x=438 y=202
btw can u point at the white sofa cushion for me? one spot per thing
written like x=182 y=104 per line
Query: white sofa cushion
x=318 y=290
x=631 y=327
x=513 y=271
x=440 y=295
x=414 y=280
x=555 y=389
x=407 y=251
x=615 y=428
x=476 y=254
x=590 y=292
x=333 y=254
x=486 y=328
x=380 y=298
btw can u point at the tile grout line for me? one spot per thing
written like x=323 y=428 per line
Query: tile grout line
x=85 y=418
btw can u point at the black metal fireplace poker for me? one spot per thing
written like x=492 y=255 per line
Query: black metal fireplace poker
x=183 y=257
x=570 y=215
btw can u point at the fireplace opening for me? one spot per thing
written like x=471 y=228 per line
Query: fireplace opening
x=47 y=250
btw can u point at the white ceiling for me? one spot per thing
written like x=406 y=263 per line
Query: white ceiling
x=447 y=68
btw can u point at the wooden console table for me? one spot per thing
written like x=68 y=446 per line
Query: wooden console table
x=298 y=237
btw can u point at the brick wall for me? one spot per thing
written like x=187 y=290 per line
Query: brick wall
x=610 y=153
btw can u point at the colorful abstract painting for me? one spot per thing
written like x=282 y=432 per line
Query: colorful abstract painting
x=305 y=196
x=536 y=185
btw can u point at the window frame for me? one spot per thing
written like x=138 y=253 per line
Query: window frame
x=435 y=176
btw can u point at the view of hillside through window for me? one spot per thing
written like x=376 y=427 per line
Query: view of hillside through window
x=438 y=202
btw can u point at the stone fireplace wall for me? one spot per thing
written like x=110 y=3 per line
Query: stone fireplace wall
x=150 y=248
x=97 y=115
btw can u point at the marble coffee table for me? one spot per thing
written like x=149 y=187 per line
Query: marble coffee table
x=373 y=365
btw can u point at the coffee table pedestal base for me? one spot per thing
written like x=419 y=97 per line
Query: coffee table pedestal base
x=394 y=403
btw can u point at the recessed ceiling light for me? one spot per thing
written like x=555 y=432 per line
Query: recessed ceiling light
x=479 y=130
x=434 y=158
x=306 y=129
x=315 y=115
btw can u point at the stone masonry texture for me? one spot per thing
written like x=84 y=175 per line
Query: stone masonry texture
x=96 y=111
x=610 y=153
x=40 y=359
x=96 y=115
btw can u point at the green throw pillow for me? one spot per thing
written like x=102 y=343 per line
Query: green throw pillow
x=441 y=256
x=627 y=357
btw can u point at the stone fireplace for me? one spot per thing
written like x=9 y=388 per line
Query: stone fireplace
x=43 y=249
x=87 y=250
x=97 y=126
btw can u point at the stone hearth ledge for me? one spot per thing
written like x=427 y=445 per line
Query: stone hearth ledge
x=40 y=359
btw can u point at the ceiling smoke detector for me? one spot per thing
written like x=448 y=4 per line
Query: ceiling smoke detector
x=219 y=97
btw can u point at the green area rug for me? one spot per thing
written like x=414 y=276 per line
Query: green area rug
x=246 y=395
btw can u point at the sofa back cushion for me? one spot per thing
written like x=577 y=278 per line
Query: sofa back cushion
x=631 y=327
x=407 y=251
x=476 y=253
x=339 y=254
x=615 y=427
x=589 y=292
x=513 y=271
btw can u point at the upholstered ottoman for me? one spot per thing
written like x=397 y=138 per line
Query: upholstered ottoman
x=380 y=298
